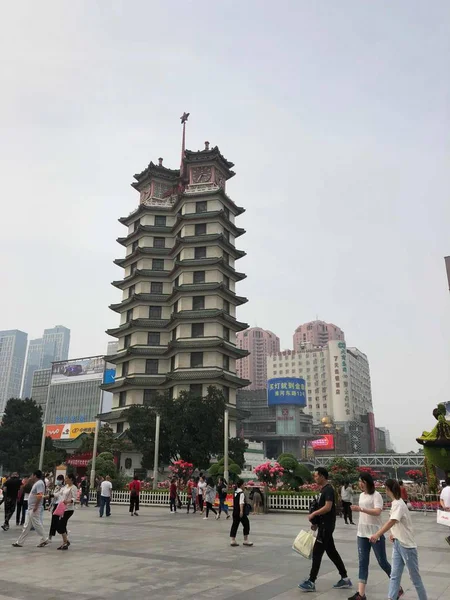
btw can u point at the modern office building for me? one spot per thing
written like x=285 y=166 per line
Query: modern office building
x=317 y=333
x=42 y=352
x=260 y=344
x=13 y=346
x=39 y=388
x=178 y=324
x=338 y=379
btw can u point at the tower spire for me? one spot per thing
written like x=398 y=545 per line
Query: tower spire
x=184 y=117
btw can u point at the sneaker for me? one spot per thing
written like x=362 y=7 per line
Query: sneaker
x=401 y=593
x=43 y=544
x=16 y=545
x=135 y=514
x=5 y=527
x=217 y=517
x=343 y=584
x=205 y=518
x=357 y=596
x=131 y=515
x=228 y=516
x=307 y=586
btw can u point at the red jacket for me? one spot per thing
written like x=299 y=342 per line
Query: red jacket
x=173 y=490
x=135 y=485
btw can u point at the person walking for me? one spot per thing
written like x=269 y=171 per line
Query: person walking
x=444 y=500
x=135 y=490
x=105 y=496
x=222 y=491
x=84 y=495
x=189 y=488
x=98 y=487
x=11 y=489
x=55 y=500
x=34 y=506
x=194 y=494
x=326 y=514
x=173 y=496
x=405 y=547
x=347 y=501
x=240 y=515
x=201 y=493
x=68 y=495
x=370 y=507
x=20 y=511
x=210 y=497
x=257 y=501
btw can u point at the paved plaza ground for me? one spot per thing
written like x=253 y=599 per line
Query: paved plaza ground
x=158 y=555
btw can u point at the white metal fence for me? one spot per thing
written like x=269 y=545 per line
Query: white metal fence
x=297 y=502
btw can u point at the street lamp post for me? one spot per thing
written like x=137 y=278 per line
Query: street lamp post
x=225 y=446
x=44 y=425
x=155 y=463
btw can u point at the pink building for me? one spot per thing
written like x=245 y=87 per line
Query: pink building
x=261 y=344
x=318 y=333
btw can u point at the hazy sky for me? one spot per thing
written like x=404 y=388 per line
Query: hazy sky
x=336 y=115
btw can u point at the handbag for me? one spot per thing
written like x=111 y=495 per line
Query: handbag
x=443 y=517
x=304 y=544
x=60 y=509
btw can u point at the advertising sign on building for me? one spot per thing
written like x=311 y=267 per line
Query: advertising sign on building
x=68 y=431
x=286 y=390
x=82 y=369
x=325 y=442
x=286 y=421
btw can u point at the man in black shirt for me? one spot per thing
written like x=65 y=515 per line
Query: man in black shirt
x=11 y=489
x=324 y=541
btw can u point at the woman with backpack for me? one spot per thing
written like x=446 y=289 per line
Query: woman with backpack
x=240 y=515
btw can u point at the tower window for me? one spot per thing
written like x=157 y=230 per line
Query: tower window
x=198 y=330
x=160 y=221
x=156 y=287
x=154 y=339
x=196 y=359
x=196 y=389
x=122 y=399
x=158 y=264
x=201 y=207
x=200 y=252
x=200 y=229
x=155 y=312
x=199 y=277
x=159 y=242
x=198 y=302
x=151 y=366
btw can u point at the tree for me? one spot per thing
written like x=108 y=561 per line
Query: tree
x=295 y=474
x=104 y=465
x=191 y=427
x=218 y=469
x=107 y=442
x=341 y=469
x=52 y=458
x=21 y=434
x=236 y=450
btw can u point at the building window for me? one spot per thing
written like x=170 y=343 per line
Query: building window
x=125 y=367
x=134 y=246
x=226 y=362
x=200 y=252
x=226 y=212
x=154 y=339
x=136 y=224
x=226 y=306
x=149 y=397
x=151 y=366
x=200 y=229
x=158 y=264
x=159 y=242
x=226 y=334
x=156 y=287
x=127 y=341
x=174 y=334
x=196 y=389
x=122 y=399
x=119 y=429
x=198 y=302
x=133 y=268
x=226 y=258
x=201 y=207
x=160 y=221
x=155 y=312
x=198 y=330
x=131 y=291
x=226 y=393
x=274 y=372
x=196 y=359
x=226 y=281
x=199 y=277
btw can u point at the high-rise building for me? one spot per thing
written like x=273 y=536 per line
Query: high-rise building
x=337 y=379
x=112 y=348
x=260 y=344
x=52 y=346
x=40 y=385
x=13 y=346
x=178 y=321
x=317 y=333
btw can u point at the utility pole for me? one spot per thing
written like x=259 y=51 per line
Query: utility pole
x=155 y=463
x=225 y=446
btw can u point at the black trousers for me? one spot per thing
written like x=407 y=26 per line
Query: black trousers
x=134 y=503
x=10 y=507
x=189 y=502
x=210 y=507
x=53 y=524
x=245 y=524
x=325 y=543
x=21 y=510
x=61 y=526
x=347 y=511
x=173 y=504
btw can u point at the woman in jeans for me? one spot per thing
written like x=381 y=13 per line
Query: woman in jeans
x=210 y=496
x=68 y=495
x=370 y=507
x=405 y=547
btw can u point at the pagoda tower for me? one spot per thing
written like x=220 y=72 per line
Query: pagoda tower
x=178 y=321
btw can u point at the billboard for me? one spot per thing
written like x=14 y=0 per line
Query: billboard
x=286 y=390
x=325 y=442
x=109 y=376
x=81 y=369
x=68 y=431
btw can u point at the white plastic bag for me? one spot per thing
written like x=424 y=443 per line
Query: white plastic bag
x=304 y=543
x=443 y=517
